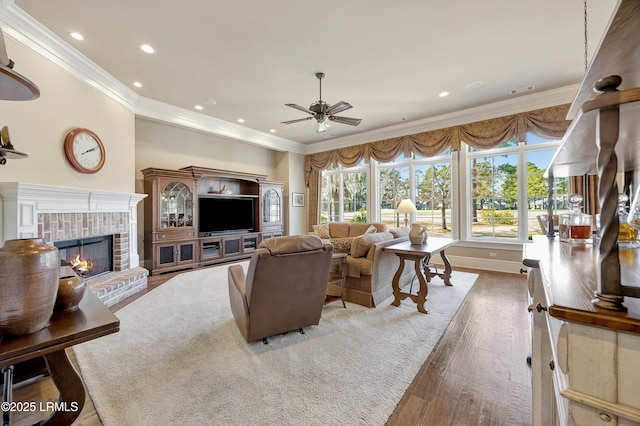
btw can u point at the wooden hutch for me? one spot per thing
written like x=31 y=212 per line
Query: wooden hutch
x=585 y=305
x=196 y=216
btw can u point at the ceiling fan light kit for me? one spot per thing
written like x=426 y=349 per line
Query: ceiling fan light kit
x=321 y=111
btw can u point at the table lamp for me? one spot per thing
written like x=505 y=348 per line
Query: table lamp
x=406 y=206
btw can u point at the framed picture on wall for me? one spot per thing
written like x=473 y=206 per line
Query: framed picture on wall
x=297 y=199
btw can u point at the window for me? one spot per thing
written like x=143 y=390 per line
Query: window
x=475 y=195
x=344 y=194
x=502 y=179
x=494 y=201
x=427 y=182
x=538 y=190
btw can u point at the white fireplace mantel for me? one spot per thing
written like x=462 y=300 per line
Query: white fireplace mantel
x=20 y=204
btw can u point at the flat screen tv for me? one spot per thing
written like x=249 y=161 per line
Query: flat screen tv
x=228 y=214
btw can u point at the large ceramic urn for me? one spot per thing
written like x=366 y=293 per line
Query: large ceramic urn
x=29 y=272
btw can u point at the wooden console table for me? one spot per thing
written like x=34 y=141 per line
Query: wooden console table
x=91 y=320
x=420 y=255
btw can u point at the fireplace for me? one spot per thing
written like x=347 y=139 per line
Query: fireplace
x=74 y=220
x=89 y=257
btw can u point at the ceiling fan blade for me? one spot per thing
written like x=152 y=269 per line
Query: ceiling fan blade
x=339 y=107
x=345 y=120
x=301 y=108
x=296 y=121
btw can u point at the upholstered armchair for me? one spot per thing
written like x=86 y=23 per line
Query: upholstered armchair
x=284 y=288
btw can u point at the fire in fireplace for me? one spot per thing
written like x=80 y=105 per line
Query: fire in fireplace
x=89 y=257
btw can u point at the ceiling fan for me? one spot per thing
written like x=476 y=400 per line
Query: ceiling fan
x=320 y=110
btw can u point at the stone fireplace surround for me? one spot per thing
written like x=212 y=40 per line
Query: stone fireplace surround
x=56 y=213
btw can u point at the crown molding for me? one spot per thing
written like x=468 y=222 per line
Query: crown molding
x=22 y=28
x=520 y=104
x=159 y=111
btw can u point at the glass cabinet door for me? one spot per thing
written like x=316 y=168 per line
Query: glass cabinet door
x=271 y=207
x=176 y=206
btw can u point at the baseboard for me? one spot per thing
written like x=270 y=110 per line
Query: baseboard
x=479 y=263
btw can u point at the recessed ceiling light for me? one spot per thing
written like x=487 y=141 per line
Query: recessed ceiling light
x=443 y=94
x=77 y=36
x=147 y=48
x=240 y=120
x=272 y=130
x=137 y=84
x=474 y=84
x=199 y=107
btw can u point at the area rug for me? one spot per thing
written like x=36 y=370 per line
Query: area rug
x=180 y=359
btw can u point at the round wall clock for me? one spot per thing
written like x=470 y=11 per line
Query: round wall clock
x=84 y=150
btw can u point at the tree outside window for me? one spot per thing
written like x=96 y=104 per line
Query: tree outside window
x=433 y=197
x=344 y=195
x=394 y=187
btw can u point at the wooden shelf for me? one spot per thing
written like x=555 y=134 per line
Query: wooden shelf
x=578 y=151
x=209 y=195
x=618 y=54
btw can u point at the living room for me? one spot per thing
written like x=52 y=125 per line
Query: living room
x=139 y=133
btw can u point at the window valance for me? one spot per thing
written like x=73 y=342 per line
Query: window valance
x=547 y=122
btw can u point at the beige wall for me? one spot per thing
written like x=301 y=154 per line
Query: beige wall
x=298 y=216
x=38 y=128
x=169 y=147
x=290 y=169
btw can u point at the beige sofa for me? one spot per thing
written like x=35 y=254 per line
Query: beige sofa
x=370 y=269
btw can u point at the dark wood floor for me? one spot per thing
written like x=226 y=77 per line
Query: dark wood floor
x=476 y=374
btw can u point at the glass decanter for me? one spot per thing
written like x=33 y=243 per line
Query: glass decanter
x=575 y=226
x=627 y=234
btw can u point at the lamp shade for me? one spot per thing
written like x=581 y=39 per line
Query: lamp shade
x=406 y=206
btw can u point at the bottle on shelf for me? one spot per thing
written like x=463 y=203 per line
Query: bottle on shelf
x=575 y=226
x=633 y=218
x=627 y=234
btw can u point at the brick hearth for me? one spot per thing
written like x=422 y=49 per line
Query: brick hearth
x=116 y=286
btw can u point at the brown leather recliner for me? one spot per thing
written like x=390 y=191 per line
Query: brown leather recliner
x=285 y=286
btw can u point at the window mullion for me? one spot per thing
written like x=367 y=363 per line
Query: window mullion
x=523 y=191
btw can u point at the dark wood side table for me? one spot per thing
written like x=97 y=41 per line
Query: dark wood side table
x=339 y=259
x=92 y=319
x=420 y=255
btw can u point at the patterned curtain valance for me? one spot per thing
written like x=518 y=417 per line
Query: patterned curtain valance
x=546 y=122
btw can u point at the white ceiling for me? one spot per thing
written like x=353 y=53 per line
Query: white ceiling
x=389 y=59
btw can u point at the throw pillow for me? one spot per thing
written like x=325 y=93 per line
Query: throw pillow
x=322 y=231
x=400 y=232
x=370 y=230
x=341 y=245
x=360 y=245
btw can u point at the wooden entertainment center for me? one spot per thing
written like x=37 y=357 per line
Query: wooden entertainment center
x=196 y=216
